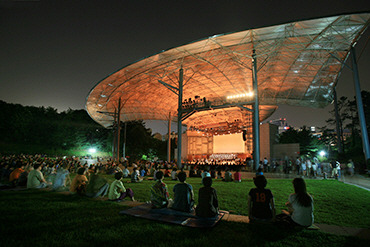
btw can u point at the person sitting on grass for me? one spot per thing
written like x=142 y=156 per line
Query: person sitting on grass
x=237 y=176
x=228 y=176
x=98 y=185
x=79 y=182
x=166 y=173
x=261 y=206
x=125 y=172
x=22 y=180
x=14 y=175
x=259 y=172
x=184 y=195
x=135 y=176
x=174 y=174
x=61 y=178
x=219 y=174
x=300 y=207
x=35 y=178
x=117 y=191
x=207 y=200
x=159 y=193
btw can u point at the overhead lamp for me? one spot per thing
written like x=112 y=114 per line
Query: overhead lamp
x=243 y=95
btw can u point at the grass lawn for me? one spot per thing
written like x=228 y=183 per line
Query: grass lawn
x=35 y=218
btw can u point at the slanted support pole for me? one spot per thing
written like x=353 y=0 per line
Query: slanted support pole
x=360 y=107
x=256 y=122
x=179 y=119
x=169 y=139
x=338 y=123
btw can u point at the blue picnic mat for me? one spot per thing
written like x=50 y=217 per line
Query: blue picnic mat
x=172 y=216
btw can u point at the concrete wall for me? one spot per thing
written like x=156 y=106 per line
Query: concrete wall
x=268 y=137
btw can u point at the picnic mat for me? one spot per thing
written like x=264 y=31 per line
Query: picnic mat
x=172 y=216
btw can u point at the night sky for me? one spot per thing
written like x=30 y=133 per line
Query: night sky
x=54 y=52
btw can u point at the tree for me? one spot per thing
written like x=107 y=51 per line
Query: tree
x=308 y=145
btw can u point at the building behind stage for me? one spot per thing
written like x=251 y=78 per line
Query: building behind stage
x=200 y=145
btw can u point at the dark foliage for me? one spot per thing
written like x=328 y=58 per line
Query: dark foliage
x=32 y=129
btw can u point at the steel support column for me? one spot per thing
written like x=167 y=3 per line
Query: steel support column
x=124 y=142
x=360 y=107
x=114 y=147
x=179 y=121
x=169 y=138
x=118 y=127
x=338 y=123
x=256 y=122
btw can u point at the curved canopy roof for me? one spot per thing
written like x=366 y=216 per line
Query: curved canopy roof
x=298 y=64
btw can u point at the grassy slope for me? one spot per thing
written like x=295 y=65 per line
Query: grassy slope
x=35 y=218
x=335 y=203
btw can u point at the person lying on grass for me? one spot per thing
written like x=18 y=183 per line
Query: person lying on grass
x=98 y=185
x=79 y=182
x=117 y=191
x=261 y=206
x=300 y=207
x=184 y=195
x=159 y=193
x=207 y=200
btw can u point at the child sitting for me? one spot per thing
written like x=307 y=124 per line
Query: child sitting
x=159 y=192
x=184 y=195
x=261 y=205
x=207 y=201
x=117 y=191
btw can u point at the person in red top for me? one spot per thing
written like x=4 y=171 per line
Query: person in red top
x=14 y=176
x=237 y=176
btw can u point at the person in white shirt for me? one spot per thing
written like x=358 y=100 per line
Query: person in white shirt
x=300 y=207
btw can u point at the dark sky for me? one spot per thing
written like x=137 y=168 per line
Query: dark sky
x=53 y=52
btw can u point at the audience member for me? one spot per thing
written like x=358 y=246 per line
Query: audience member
x=159 y=193
x=135 y=176
x=22 y=180
x=61 y=177
x=237 y=176
x=261 y=206
x=79 y=182
x=15 y=174
x=125 y=172
x=117 y=191
x=98 y=185
x=174 y=173
x=36 y=179
x=228 y=176
x=207 y=200
x=300 y=207
x=184 y=195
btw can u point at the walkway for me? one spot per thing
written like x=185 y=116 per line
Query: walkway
x=337 y=230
